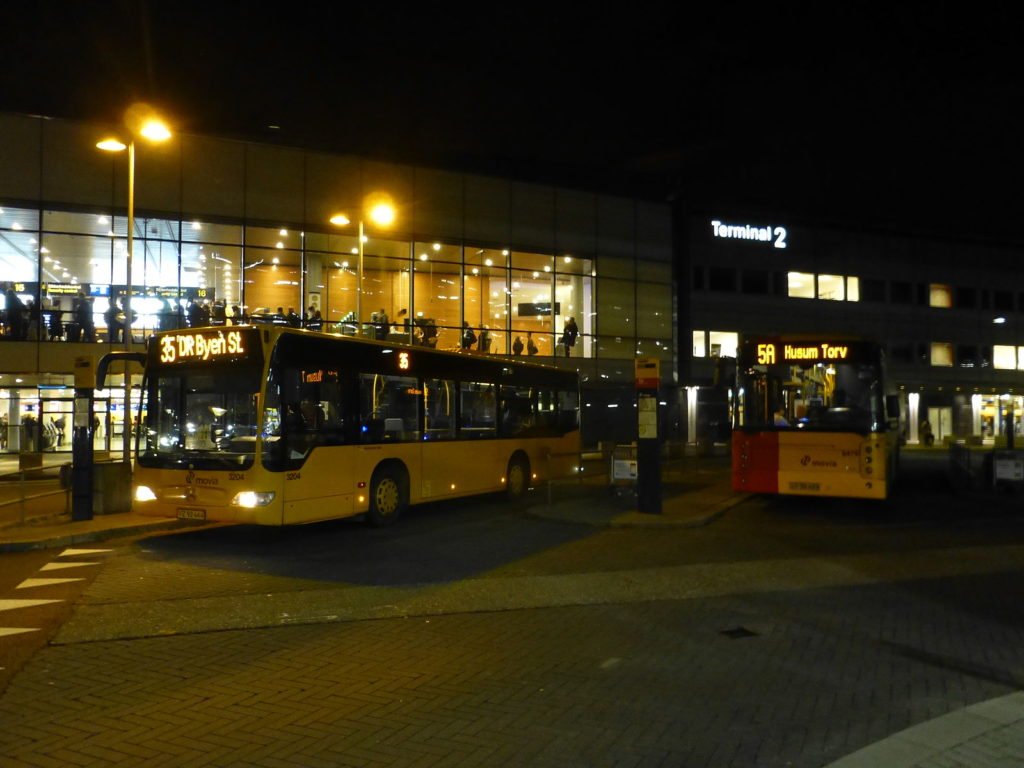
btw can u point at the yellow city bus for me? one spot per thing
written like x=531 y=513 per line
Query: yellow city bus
x=276 y=426
x=814 y=416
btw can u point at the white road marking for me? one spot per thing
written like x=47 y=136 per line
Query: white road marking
x=71 y=552
x=10 y=605
x=27 y=583
x=16 y=630
x=59 y=566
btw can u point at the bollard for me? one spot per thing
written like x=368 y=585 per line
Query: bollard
x=21 y=489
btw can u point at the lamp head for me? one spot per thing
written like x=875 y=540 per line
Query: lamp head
x=112 y=144
x=143 y=120
x=379 y=209
x=382 y=214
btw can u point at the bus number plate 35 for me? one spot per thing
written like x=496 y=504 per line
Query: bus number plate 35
x=187 y=513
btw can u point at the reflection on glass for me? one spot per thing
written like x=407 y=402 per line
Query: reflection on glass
x=202 y=420
x=821 y=396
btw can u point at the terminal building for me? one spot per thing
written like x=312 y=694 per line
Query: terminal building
x=950 y=314
x=228 y=231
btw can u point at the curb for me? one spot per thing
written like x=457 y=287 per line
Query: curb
x=643 y=520
x=100 y=534
x=635 y=519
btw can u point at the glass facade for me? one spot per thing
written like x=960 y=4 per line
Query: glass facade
x=256 y=245
x=238 y=273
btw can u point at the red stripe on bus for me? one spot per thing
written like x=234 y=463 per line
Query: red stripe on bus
x=755 y=462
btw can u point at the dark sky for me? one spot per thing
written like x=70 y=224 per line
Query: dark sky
x=905 y=116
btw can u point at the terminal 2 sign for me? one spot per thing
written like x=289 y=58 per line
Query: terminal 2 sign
x=776 y=236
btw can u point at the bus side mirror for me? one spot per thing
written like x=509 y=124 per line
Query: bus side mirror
x=892 y=406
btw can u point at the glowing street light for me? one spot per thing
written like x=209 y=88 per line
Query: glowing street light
x=380 y=211
x=140 y=120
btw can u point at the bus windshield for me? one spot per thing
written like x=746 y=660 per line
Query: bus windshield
x=821 y=396
x=201 y=419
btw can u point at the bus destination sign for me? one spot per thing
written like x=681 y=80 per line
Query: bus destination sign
x=772 y=352
x=202 y=346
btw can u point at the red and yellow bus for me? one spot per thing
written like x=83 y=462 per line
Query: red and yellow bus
x=814 y=417
x=275 y=426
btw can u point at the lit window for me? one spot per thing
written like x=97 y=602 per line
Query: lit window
x=853 y=289
x=801 y=285
x=831 y=288
x=940 y=296
x=723 y=343
x=1004 y=357
x=942 y=354
x=699 y=344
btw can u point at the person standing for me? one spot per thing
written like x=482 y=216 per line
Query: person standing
x=383 y=325
x=517 y=346
x=16 y=315
x=112 y=317
x=468 y=337
x=34 y=320
x=56 y=324
x=195 y=314
x=531 y=345
x=569 y=334
x=82 y=311
x=316 y=320
x=484 y=340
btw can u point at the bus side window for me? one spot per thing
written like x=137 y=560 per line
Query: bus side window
x=388 y=408
x=477 y=411
x=332 y=406
x=568 y=411
x=547 y=411
x=516 y=411
x=439 y=409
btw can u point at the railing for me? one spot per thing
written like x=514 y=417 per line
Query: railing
x=589 y=465
x=598 y=464
x=16 y=497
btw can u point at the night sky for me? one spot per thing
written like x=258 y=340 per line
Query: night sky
x=905 y=117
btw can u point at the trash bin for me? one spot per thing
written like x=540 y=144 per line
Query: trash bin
x=111 y=487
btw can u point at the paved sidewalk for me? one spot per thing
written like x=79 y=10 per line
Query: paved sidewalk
x=695 y=492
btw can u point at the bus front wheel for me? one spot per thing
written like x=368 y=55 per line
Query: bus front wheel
x=518 y=478
x=389 y=496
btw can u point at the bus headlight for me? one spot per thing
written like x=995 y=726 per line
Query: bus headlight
x=251 y=499
x=144 y=493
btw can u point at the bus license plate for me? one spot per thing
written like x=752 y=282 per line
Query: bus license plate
x=185 y=513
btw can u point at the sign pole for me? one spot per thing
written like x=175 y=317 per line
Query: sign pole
x=81 y=440
x=648 y=453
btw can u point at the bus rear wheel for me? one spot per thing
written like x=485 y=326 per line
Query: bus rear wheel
x=517 y=479
x=389 y=495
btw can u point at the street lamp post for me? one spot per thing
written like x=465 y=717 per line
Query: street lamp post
x=142 y=121
x=359 y=284
x=382 y=213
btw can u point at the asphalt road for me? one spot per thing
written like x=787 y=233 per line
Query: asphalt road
x=788 y=632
